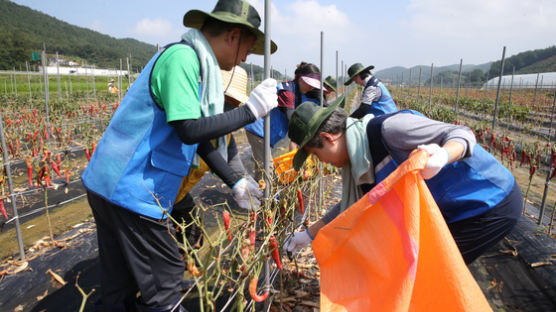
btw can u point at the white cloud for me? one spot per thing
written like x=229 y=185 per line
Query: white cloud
x=486 y=19
x=152 y=27
x=157 y=31
x=296 y=29
x=97 y=26
x=443 y=31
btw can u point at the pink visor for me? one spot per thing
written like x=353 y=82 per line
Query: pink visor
x=313 y=80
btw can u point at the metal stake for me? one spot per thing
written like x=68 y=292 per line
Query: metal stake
x=267 y=153
x=547 y=181
x=29 y=83
x=457 y=90
x=430 y=94
x=498 y=89
x=11 y=187
x=419 y=89
x=58 y=76
x=46 y=87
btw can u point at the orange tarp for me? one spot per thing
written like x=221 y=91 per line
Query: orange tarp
x=392 y=251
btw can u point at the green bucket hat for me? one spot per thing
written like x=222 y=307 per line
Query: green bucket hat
x=355 y=70
x=330 y=83
x=233 y=12
x=304 y=123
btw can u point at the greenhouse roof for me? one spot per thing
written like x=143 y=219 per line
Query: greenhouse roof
x=545 y=80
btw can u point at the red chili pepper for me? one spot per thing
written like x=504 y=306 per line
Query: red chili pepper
x=55 y=167
x=245 y=251
x=46 y=175
x=41 y=144
x=67 y=176
x=253 y=290
x=59 y=160
x=532 y=171
x=87 y=154
x=300 y=199
x=93 y=148
x=252 y=237
x=45 y=133
x=35 y=134
x=552 y=174
x=274 y=251
x=226 y=216
x=2 y=209
x=29 y=163
x=12 y=149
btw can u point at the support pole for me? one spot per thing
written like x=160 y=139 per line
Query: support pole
x=7 y=166
x=267 y=153
x=498 y=89
x=547 y=181
x=511 y=88
x=29 y=83
x=336 y=85
x=120 y=83
x=321 y=105
x=430 y=94
x=419 y=88
x=58 y=76
x=46 y=86
x=457 y=90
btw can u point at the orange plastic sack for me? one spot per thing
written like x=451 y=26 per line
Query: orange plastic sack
x=392 y=251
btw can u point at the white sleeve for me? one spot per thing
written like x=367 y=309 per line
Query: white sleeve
x=371 y=94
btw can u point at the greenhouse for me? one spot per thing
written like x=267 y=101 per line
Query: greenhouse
x=526 y=81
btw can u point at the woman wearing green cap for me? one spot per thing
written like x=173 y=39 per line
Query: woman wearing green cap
x=172 y=111
x=304 y=87
x=478 y=197
x=375 y=99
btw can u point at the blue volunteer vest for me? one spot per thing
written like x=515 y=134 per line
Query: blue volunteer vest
x=278 y=120
x=385 y=104
x=140 y=156
x=462 y=189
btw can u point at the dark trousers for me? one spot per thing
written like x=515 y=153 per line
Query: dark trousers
x=476 y=234
x=137 y=254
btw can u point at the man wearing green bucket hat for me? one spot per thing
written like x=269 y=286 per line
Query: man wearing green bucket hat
x=172 y=112
x=477 y=196
x=375 y=99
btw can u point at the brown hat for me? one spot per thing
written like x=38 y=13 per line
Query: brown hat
x=234 y=83
x=233 y=12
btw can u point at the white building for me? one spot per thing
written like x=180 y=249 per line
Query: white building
x=82 y=71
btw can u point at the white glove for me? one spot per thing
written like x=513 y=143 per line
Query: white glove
x=296 y=242
x=263 y=98
x=438 y=158
x=246 y=194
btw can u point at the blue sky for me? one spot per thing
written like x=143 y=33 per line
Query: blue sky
x=382 y=33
